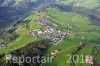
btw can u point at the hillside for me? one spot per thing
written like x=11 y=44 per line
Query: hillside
x=44 y=30
x=84 y=3
x=63 y=19
x=80 y=25
x=20 y=8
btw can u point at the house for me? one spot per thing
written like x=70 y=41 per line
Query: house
x=3 y=46
x=42 y=20
x=68 y=32
x=36 y=32
x=39 y=33
x=55 y=53
x=70 y=27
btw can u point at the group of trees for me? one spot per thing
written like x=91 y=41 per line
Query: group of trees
x=93 y=14
x=8 y=36
x=96 y=54
x=31 y=50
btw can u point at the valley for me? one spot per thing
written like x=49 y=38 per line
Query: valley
x=61 y=31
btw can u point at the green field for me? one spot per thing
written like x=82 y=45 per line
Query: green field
x=81 y=27
x=24 y=36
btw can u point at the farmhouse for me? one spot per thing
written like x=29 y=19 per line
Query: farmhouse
x=36 y=32
x=3 y=46
x=68 y=32
x=55 y=53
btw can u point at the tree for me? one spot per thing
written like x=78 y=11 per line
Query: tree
x=8 y=36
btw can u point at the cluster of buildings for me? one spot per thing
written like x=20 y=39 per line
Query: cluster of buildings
x=42 y=20
x=58 y=39
x=3 y=46
x=55 y=53
x=36 y=32
x=54 y=35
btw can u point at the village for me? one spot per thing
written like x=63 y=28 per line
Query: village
x=52 y=33
x=56 y=36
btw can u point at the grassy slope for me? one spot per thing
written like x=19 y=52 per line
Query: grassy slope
x=63 y=19
x=73 y=19
x=83 y=3
x=1 y=40
x=24 y=36
x=79 y=23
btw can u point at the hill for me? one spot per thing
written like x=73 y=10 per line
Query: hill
x=20 y=8
x=76 y=33
x=84 y=3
